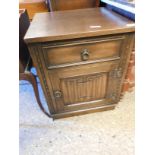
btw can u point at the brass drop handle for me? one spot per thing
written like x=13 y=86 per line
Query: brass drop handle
x=85 y=55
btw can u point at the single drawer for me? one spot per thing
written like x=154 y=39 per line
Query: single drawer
x=82 y=51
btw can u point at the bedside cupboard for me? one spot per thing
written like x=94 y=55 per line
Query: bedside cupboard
x=81 y=58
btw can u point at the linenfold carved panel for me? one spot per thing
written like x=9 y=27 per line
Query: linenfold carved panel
x=84 y=88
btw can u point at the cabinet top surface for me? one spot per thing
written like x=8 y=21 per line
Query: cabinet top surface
x=61 y=25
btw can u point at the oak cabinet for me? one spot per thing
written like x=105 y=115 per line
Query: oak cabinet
x=80 y=70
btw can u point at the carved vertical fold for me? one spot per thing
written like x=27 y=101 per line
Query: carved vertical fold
x=84 y=88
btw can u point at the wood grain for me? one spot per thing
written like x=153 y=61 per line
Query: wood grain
x=83 y=88
x=100 y=49
x=83 y=111
x=62 y=25
x=33 y=7
x=81 y=84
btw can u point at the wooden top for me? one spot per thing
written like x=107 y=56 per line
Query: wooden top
x=61 y=25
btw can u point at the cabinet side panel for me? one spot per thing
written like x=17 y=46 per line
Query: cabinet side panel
x=127 y=49
x=35 y=52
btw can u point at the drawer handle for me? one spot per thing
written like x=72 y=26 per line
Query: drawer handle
x=85 y=55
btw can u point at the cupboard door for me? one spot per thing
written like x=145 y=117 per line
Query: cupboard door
x=85 y=86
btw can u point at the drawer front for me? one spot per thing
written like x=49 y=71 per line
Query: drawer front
x=84 y=51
